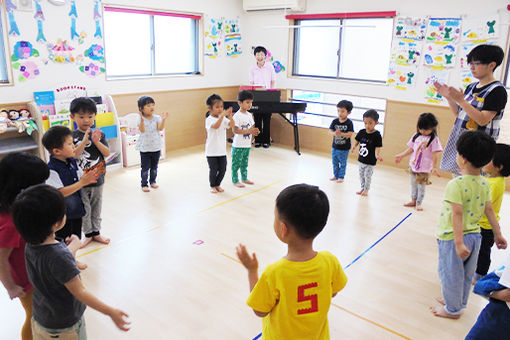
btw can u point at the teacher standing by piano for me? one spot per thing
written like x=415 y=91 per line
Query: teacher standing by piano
x=262 y=74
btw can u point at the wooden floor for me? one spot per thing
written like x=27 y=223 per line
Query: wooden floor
x=171 y=263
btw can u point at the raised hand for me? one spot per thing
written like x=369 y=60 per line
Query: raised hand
x=249 y=262
x=96 y=136
x=164 y=115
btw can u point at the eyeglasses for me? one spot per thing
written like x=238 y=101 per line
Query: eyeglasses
x=475 y=63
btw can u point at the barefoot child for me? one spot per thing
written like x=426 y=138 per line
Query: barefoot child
x=370 y=143
x=59 y=295
x=18 y=171
x=341 y=129
x=466 y=199
x=293 y=295
x=243 y=130
x=149 y=142
x=216 y=125
x=423 y=147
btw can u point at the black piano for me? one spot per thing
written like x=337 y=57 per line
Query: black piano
x=269 y=102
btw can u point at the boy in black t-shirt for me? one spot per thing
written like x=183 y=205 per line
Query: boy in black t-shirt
x=341 y=129
x=370 y=143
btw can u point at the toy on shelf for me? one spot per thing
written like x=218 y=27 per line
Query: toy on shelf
x=21 y=120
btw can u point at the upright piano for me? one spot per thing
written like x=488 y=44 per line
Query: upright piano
x=268 y=101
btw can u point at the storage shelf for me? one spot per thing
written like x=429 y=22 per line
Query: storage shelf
x=20 y=144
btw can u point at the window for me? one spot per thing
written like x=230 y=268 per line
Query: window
x=343 y=48
x=321 y=108
x=148 y=43
x=4 y=76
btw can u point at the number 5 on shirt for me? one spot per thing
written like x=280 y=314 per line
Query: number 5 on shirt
x=312 y=298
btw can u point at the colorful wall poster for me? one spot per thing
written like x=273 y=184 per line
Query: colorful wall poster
x=443 y=30
x=213 y=37
x=468 y=46
x=431 y=76
x=10 y=7
x=232 y=38
x=406 y=52
x=402 y=77
x=410 y=28
x=27 y=69
x=439 y=55
x=480 y=28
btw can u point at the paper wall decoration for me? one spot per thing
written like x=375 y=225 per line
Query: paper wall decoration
x=39 y=16
x=466 y=77
x=410 y=28
x=95 y=52
x=73 y=14
x=61 y=52
x=23 y=50
x=97 y=17
x=277 y=65
x=10 y=7
x=28 y=69
x=480 y=28
x=214 y=35
x=402 y=77
x=439 y=55
x=443 y=30
x=70 y=92
x=92 y=70
x=431 y=76
x=406 y=52
x=232 y=38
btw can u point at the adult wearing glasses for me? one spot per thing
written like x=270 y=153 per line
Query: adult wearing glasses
x=481 y=105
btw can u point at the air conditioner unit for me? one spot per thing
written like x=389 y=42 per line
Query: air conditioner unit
x=264 y=5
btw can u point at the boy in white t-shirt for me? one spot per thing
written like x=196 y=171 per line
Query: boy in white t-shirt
x=243 y=130
x=216 y=124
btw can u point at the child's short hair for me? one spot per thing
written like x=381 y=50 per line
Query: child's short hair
x=476 y=147
x=18 y=171
x=371 y=114
x=345 y=104
x=212 y=99
x=305 y=208
x=83 y=105
x=55 y=137
x=244 y=95
x=144 y=100
x=259 y=49
x=487 y=54
x=36 y=210
x=502 y=158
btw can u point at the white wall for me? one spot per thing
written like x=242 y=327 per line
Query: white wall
x=222 y=71
x=277 y=40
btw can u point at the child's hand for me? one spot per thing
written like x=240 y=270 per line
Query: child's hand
x=228 y=113
x=119 y=319
x=254 y=131
x=248 y=262
x=353 y=149
x=96 y=136
x=500 y=241
x=436 y=172
x=462 y=251
x=398 y=158
x=15 y=292
x=379 y=158
x=164 y=115
x=90 y=177
x=337 y=133
x=86 y=136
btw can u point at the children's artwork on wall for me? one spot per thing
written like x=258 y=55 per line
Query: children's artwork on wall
x=214 y=35
x=406 y=52
x=402 y=77
x=10 y=7
x=92 y=70
x=28 y=69
x=62 y=52
x=73 y=14
x=431 y=76
x=467 y=47
x=480 y=28
x=97 y=18
x=410 y=28
x=23 y=50
x=232 y=38
x=439 y=55
x=95 y=52
x=443 y=30
x=277 y=65
x=39 y=16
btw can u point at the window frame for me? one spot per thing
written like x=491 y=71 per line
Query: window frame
x=152 y=13
x=5 y=48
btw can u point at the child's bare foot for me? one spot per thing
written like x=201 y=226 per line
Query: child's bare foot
x=85 y=242
x=410 y=204
x=154 y=186
x=440 y=312
x=248 y=182
x=333 y=179
x=440 y=300
x=146 y=189
x=359 y=192
x=101 y=239
x=418 y=207
x=220 y=189
x=81 y=265
x=214 y=190
x=340 y=180
x=239 y=185
x=364 y=193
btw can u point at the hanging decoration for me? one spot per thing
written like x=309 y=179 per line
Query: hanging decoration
x=39 y=16
x=10 y=7
x=213 y=37
x=73 y=14
x=232 y=38
x=23 y=50
x=97 y=18
x=95 y=52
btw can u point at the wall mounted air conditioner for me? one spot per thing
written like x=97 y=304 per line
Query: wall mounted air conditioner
x=264 y=5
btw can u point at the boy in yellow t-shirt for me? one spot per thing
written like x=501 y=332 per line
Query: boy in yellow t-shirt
x=293 y=295
x=497 y=169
